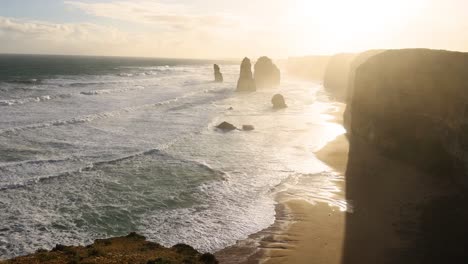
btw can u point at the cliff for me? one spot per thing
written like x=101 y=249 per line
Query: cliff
x=129 y=249
x=267 y=74
x=309 y=68
x=406 y=178
x=413 y=105
x=348 y=91
x=336 y=78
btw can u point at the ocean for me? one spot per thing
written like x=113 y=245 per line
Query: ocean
x=94 y=147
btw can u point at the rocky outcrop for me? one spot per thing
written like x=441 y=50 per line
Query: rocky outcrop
x=129 y=249
x=336 y=77
x=217 y=73
x=246 y=82
x=267 y=74
x=225 y=126
x=278 y=102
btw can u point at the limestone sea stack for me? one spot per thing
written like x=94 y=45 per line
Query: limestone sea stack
x=246 y=82
x=278 y=102
x=217 y=74
x=267 y=74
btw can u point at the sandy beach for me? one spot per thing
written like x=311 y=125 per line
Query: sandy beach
x=316 y=232
x=303 y=232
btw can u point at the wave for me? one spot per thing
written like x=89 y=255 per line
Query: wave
x=90 y=166
x=109 y=91
x=32 y=99
x=93 y=117
x=27 y=81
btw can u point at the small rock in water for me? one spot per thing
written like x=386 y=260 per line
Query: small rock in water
x=248 y=127
x=231 y=108
x=226 y=126
x=278 y=101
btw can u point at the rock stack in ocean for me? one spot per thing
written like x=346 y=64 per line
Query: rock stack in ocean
x=278 y=102
x=267 y=74
x=217 y=74
x=246 y=82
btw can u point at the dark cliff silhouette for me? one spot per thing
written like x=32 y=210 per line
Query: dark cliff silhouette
x=407 y=174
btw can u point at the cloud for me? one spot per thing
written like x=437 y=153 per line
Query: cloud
x=32 y=36
x=169 y=16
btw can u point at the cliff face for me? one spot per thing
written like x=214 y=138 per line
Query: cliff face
x=413 y=105
x=407 y=174
x=267 y=74
x=309 y=68
x=336 y=77
x=349 y=89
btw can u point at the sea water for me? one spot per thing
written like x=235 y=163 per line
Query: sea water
x=93 y=147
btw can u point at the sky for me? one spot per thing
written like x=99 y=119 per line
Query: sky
x=228 y=28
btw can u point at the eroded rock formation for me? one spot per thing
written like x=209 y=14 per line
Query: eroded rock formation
x=225 y=126
x=246 y=82
x=278 y=101
x=267 y=74
x=217 y=73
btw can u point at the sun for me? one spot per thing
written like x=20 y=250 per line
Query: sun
x=350 y=25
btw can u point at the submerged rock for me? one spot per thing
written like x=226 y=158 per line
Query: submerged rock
x=278 y=101
x=226 y=126
x=248 y=127
x=267 y=74
x=217 y=74
x=246 y=82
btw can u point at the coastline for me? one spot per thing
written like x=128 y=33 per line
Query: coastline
x=303 y=232
x=316 y=231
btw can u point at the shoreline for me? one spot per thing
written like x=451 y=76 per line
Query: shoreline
x=303 y=232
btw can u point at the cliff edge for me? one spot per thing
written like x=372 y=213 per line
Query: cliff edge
x=129 y=249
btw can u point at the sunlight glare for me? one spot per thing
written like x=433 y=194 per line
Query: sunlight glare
x=351 y=23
